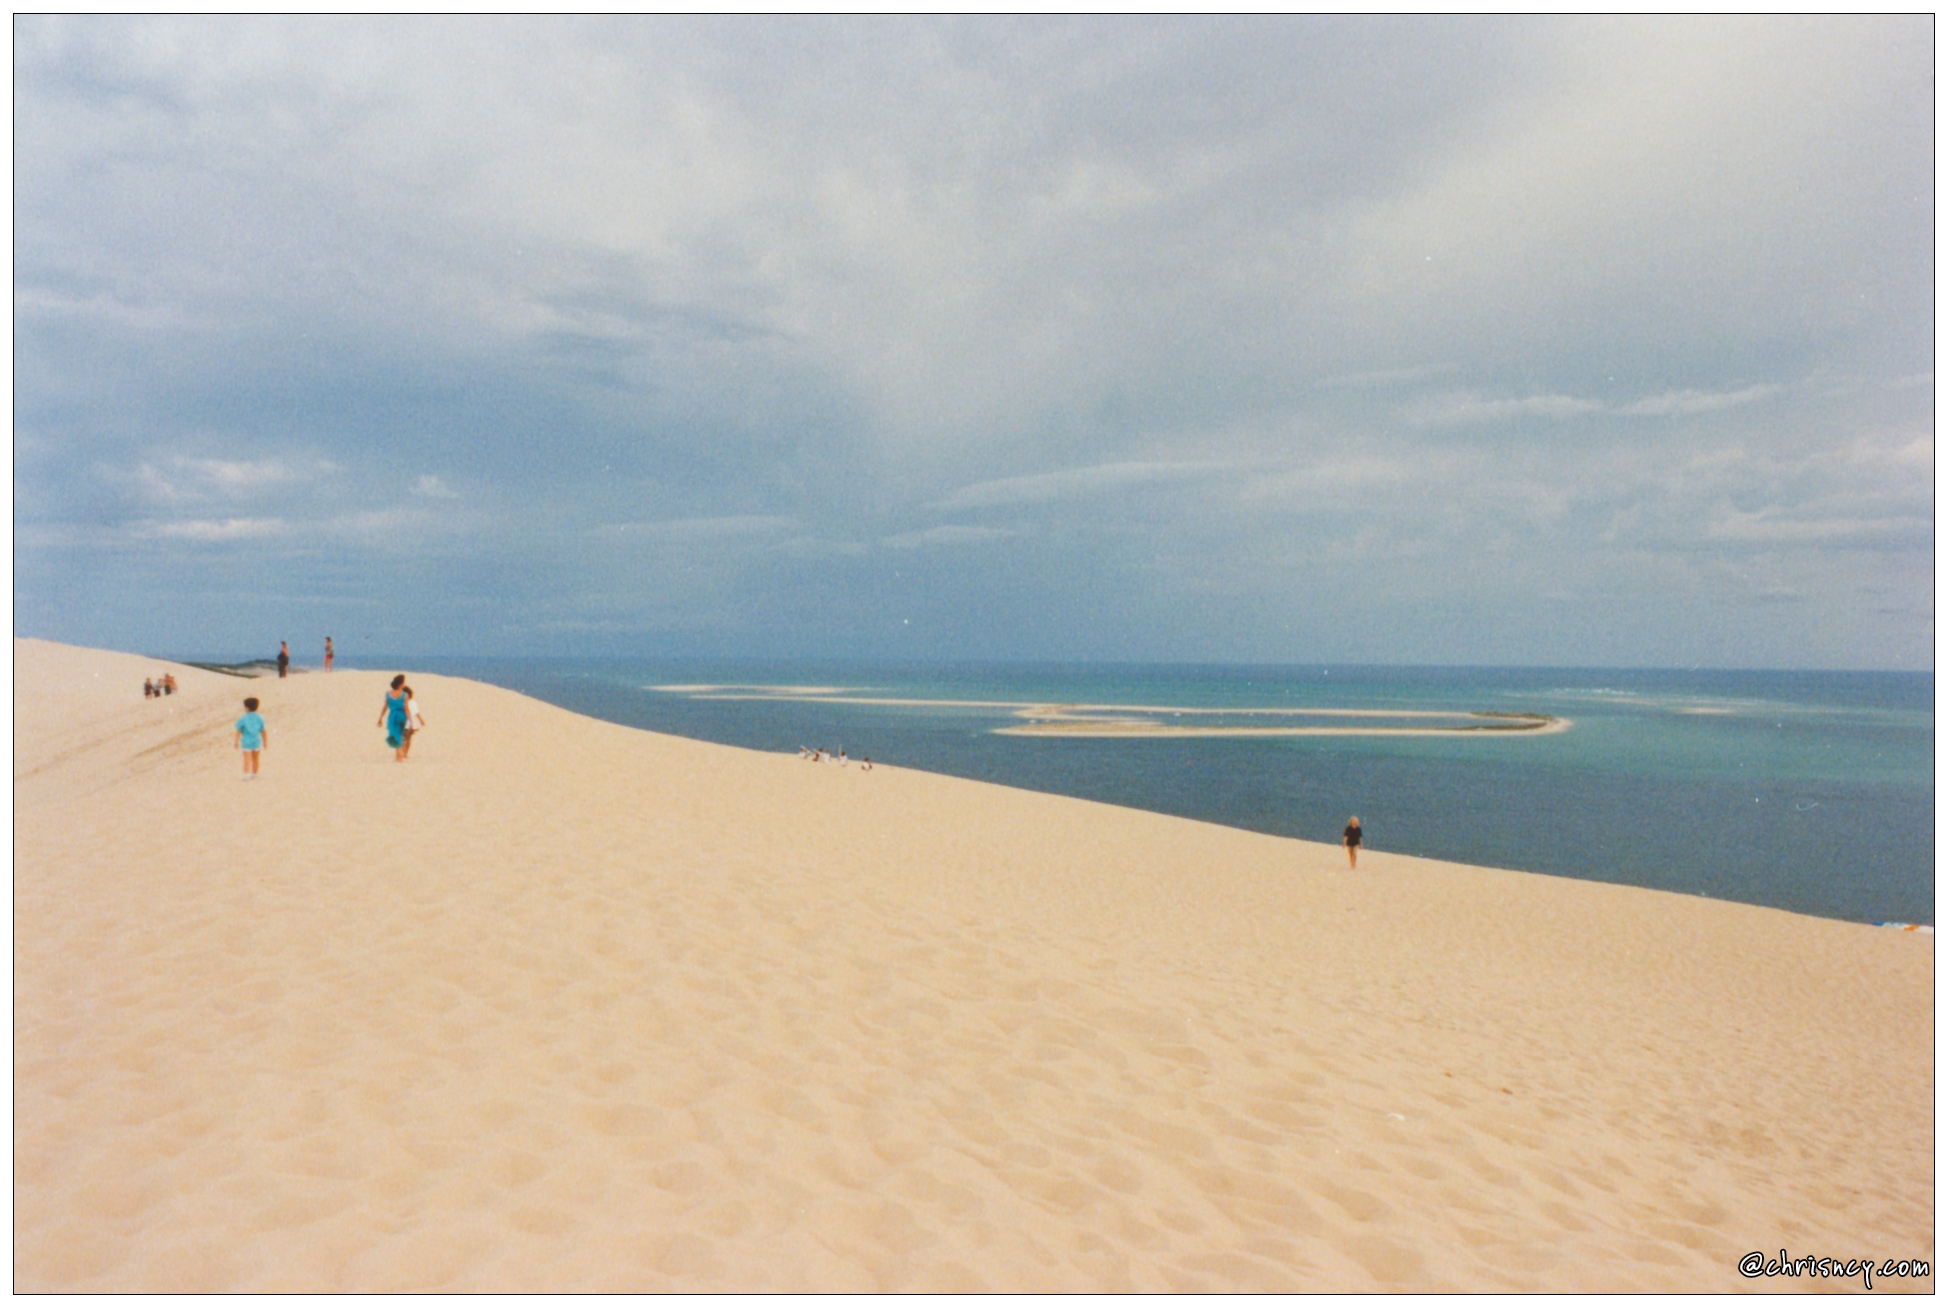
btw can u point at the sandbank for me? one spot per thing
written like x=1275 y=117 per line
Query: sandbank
x=1134 y=730
x=560 y=1005
x=1100 y=720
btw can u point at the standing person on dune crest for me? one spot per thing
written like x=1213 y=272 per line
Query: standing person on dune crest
x=1350 y=837
x=283 y=657
x=393 y=718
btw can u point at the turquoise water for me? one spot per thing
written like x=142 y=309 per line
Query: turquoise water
x=1812 y=792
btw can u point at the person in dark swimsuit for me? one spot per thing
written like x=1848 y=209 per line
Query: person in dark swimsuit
x=1351 y=837
x=283 y=657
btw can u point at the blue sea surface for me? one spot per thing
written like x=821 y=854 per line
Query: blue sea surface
x=1812 y=792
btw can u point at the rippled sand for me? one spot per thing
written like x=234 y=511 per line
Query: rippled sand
x=562 y=1005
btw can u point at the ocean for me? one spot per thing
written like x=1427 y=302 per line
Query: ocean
x=1807 y=791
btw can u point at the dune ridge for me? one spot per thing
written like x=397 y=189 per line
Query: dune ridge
x=564 y=1005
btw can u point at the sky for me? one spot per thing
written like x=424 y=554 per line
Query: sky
x=1573 y=342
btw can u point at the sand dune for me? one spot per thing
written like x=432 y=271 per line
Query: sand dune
x=562 y=1005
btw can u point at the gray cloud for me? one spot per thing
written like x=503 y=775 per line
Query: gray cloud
x=736 y=309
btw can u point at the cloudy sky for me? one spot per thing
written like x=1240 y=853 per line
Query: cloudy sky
x=1591 y=342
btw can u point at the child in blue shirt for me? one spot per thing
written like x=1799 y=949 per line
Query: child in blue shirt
x=252 y=736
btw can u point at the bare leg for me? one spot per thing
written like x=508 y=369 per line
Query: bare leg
x=1352 y=856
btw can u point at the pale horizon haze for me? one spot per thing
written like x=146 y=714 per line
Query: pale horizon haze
x=1593 y=342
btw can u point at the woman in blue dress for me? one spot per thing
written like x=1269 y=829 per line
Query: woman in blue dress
x=393 y=718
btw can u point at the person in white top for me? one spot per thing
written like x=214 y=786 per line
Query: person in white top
x=413 y=722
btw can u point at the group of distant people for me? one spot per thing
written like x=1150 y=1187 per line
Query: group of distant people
x=157 y=687
x=284 y=657
x=821 y=756
x=402 y=720
x=400 y=717
x=1350 y=837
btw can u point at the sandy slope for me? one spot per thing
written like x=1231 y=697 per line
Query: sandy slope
x=563 y=1005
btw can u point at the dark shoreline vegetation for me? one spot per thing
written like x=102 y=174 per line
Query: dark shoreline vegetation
x=254 y=668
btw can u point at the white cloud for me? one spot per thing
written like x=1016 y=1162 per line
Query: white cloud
x=951 y=534
x=814 y=547
x=1688 y=402
x=210 y=530
x=1780 y=526
x=1319 y=482
x=1384 y=377
x=1911 y=457
x=240 y=474
x=99 y=308
x=1459 y=409
x=180 y=478
x=1071 y=483
x=432 y=488
x=749 y=524
x=376 y=527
